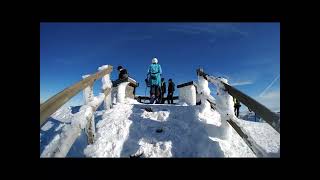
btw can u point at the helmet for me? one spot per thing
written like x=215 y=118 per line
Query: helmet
x=155 y=60
x=119 y=67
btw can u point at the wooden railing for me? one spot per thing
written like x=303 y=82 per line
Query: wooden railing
x=272 y=118
x=54 y=103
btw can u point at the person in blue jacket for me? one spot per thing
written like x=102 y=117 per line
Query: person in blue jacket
x=154 y=73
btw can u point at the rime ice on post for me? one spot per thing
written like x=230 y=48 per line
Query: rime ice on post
x=87 y=92
x=224 y=100
x=187 y=94
x=204 y=93
x=89 y=100
x=225 y=106
x=121 y=92
x=106 y=83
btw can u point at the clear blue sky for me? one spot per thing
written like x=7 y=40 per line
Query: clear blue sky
x=248 y=54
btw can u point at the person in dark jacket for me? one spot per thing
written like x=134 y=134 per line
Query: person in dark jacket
x=123 y=76
x=237 y=106
x=170 y=91
x=163 y=89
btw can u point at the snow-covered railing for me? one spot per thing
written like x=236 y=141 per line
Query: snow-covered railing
x=84 y=119
x=58 y=100
x=273 y=119
x=224 y=106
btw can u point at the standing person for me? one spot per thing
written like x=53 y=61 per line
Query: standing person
x=170 y=91
x=154 y=73
x=237 y=106
x=123 y=76
x=163 y=89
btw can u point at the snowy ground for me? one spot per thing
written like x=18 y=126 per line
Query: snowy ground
x=128 y=129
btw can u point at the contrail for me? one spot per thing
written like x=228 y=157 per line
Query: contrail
x=268 y=87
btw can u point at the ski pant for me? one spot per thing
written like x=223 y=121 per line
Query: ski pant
x=162 y=97
x=236 y=110
x=155 y=93
x=170 y=98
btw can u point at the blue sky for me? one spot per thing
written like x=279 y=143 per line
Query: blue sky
x=248 y=54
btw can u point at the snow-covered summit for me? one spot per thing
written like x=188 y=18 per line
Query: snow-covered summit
x=128 y=129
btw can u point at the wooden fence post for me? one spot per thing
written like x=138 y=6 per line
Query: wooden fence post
x=89 y=97
x=106 y=87
x=50 y=106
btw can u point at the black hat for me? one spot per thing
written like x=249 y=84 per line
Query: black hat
x=162 y=79
x=119 y=67
x=170 y=79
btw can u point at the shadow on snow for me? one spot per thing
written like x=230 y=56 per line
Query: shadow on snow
x=187 y=134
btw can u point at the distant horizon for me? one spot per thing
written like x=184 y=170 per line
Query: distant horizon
x=247 y=54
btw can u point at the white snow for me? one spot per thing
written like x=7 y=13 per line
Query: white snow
x=156 y=116
x=203 y=86
x=154 y=149
x=87 y=92
x=64 y=114
x=106 y=82
x=264 y=135
x=67 y=137
x=85 y=76
x=97 y=100
x=48 y=151
x=121 y=92
x=59 y=147
x=168 y=131
x=127 y=129
x=224 y=101
x=187 y=94
x=223 y=105
x=103 y=67
x=60 y=126
x=111 y=132
x=118 y=93
x=47 y=126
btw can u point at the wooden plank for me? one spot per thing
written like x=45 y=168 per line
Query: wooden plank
x=131 y=81
x=72 y=137
x=247 y=139
x=55 y=102
x=272 y=118
x=129 y=92
x=186 y=84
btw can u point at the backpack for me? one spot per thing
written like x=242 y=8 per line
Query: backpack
x=154 y=70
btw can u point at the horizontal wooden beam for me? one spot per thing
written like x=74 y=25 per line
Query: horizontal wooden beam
x=55 y=102
x=133 y=83
x=186 y=84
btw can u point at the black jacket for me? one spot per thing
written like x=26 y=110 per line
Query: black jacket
x=163 y=87
x=171 y=87
x=123 y=74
